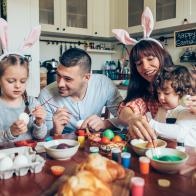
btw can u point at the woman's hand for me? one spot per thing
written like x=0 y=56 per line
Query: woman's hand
x=18 y=128
x=39 y=114
x=139 y=128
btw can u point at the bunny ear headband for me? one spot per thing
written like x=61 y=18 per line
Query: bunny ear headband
x=147 y=24
x=28 y=42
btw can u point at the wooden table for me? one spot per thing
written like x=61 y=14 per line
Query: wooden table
x=37 y=184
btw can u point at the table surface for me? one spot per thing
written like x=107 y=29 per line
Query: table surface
x=37 y=184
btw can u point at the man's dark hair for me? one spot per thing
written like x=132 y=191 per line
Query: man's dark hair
x=76 y=57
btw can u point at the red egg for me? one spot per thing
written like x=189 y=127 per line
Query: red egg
x=105 y=140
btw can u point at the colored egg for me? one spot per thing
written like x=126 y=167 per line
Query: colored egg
x=117 y=138
x=108 y=133
x=105 y=140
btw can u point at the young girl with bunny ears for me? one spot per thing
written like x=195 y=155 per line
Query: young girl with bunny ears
x=21 y=116
x=147 y=58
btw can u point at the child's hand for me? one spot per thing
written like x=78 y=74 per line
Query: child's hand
x=192 y=104
x=18 y=128
x=39 y=114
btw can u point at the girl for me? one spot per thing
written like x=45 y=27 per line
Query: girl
x=171 y=86
x=14 y=73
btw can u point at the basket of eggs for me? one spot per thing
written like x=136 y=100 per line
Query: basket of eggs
x=107 y=140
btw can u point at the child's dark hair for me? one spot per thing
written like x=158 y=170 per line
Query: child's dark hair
x=12 y=60
x=182 y=80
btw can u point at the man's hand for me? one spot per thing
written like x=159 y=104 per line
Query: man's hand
x=18 y=128
x=140 y=128
x=60 y=119
x=94 y=122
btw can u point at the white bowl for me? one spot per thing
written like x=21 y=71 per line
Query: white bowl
x=167 y=166
x=61 y=154
x=138 y=145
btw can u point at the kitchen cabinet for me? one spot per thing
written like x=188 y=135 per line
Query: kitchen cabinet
x=65 y=16
x=101 y=18
x=166 y=13
x=190 y=10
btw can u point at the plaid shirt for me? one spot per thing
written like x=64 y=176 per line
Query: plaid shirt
x=140 y=106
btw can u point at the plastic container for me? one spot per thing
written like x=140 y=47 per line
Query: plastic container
x=144 y=163
x=34 y=165
x=137 y=186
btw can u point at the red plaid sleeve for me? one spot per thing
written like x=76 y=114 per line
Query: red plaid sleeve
x=138 y=106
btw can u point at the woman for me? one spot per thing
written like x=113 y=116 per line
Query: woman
x=147 y=57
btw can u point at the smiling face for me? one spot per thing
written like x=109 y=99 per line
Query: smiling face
x=168 y=98
x=147 y=67
x=72 y=81
x=13 y=82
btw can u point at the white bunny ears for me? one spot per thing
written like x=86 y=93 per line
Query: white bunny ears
x=147 y=24
x=28 y=43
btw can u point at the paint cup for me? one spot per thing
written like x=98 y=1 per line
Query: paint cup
x=81 y=140
x=144 y=163
x=126 y=159
x=116 y=154
x=137 y=186
x=94 y=149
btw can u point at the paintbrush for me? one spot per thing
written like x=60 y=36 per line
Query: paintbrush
x=155 y=149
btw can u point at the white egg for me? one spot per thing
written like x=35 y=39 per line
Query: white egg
x=6 y=163
x=24 y=116
x=20 y=160
x=184 y=100
x=79 y=123
x=2 y=155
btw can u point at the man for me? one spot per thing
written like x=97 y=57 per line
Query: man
x=77 y=96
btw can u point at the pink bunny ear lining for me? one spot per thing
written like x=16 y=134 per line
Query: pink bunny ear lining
x=32 y=38
x=4 y=34
x=123 y=37
x=147 y=21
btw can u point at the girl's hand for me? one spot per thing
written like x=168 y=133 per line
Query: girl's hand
x=39 y=114
x=140 y=128
x=18 y=128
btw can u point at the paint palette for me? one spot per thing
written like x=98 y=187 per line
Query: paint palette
x=169 y=161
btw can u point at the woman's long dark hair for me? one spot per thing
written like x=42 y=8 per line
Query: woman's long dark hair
x=139 y=87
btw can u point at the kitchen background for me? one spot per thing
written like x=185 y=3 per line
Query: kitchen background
x=87 y=24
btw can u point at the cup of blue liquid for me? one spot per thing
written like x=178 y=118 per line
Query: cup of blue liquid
x=126 y=159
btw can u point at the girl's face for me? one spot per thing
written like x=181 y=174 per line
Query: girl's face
x=13 y=82
x=147 y=67
x=168 y=98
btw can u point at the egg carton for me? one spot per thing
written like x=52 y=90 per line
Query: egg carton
x=35 y=162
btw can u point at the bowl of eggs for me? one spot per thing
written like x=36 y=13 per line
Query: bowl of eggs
x=169 y=160
x=61 y=149
x=140 y=146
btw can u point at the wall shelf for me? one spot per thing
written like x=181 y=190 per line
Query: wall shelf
x=101 y=51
